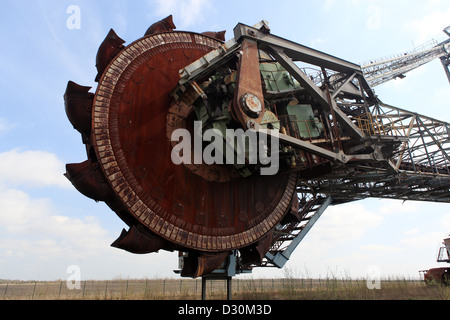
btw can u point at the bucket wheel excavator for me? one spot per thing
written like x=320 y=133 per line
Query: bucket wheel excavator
x=228 y=152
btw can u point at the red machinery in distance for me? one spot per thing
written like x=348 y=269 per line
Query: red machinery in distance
x=440 y=275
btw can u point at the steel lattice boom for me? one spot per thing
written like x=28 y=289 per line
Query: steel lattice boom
x=379 y=71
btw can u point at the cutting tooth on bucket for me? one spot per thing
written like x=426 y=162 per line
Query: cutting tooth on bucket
x=254 y=253
x=163 y=25
x=109 y=48
x=140 y=241
x=78 y=104
x=197 y=264
x=89 y=181
x=216 y=35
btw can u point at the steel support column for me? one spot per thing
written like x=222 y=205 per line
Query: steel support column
x=445 y=63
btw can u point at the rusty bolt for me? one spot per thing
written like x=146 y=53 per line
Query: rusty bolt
x=251 y=33
x=251 y=105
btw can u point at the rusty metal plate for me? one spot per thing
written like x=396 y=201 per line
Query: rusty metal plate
x=129 y=137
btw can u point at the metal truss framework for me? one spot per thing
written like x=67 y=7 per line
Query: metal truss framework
x=419 y=166
x=373 y=149
x=419 y=171
x=382 y=70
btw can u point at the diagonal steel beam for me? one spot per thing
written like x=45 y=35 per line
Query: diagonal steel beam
x=282 y=58
x=436 y=143
x=296 y=51
x=405 y=144
x=347 y=80
x=281 y=257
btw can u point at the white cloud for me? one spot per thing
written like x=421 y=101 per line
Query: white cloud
x=446 y=221
x=27 y=217
x=32 y=168
x=33 y=231
x=374 y=17
x=39 y=240
x=412 y=231
x=186 y=13
x=427 y=240
x=328 y=4
x=339 y=227
x=119 y=9
x=398 y=207
x=316 y=42
x=18 y=212
x=429 y=26
x=344 y=223
x=5 y=125
x=378 y=248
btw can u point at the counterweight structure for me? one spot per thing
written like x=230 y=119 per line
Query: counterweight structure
x=332 y=140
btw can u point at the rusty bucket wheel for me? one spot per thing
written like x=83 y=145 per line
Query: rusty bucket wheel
x=129 y=165
x=130 y=109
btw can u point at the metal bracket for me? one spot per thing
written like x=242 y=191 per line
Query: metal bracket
x=319 y=151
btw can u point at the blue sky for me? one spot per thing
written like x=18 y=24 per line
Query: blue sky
x=46 y=225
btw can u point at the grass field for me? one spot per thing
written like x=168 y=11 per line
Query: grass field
x=242 y=289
